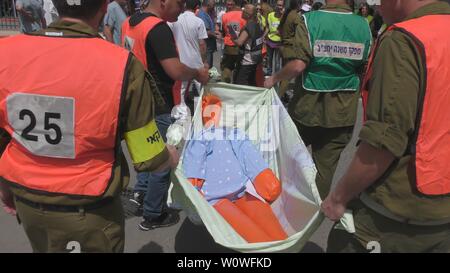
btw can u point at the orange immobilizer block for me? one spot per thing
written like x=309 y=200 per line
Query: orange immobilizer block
x=267 y=185
x=241 y=223
x=211 y=107
x=197 y=182
x=262 y=215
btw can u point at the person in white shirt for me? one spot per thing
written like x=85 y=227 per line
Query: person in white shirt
x=190 y=34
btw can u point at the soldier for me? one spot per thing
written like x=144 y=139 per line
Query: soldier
x=330 y=48
x=231 y=22
x=64 y=164
x=401 y=165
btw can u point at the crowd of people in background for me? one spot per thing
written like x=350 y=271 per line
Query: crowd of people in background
x=37 y=14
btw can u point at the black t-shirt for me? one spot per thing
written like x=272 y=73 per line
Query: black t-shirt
x=159 y=45
x=254 y=32
x=251 y=50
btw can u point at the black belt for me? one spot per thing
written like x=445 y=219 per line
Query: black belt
x=62 y=208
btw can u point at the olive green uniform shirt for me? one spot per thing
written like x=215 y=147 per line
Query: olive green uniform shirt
x=138 y=111
x=287 y=33
x=330 y=109
x=397 y=83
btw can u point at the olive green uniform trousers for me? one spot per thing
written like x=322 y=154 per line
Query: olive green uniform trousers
x=377 y=233
x=327 y=145
x=96 y=230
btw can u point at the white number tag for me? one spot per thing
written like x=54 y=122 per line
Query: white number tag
x=44 y=125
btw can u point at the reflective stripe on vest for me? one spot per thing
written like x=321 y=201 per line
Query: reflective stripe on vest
x=273 y=22
x=134 y=37
x=262 y=21
x=60 y=102
x=340 y=43
x=432 y=144
x=234 y=20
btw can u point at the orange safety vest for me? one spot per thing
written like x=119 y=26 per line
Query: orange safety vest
x=60 y=102
x=432 y=139
x=134 y=38
x=234 y=20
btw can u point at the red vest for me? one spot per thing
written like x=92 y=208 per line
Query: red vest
x=134 y=38
x=60 y=101
x=432 y=145
x=234 y=20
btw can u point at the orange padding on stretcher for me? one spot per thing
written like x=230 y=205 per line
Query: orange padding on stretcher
x=211 y=107
x=267 y=185
x=197 y=182
x=251 y=218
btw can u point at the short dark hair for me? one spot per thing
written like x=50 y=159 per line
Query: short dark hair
x=192 y=4
x=317 y=6
x=70 y=8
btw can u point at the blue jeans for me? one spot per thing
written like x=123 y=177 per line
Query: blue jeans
x=210 y=58
x=155 y=184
